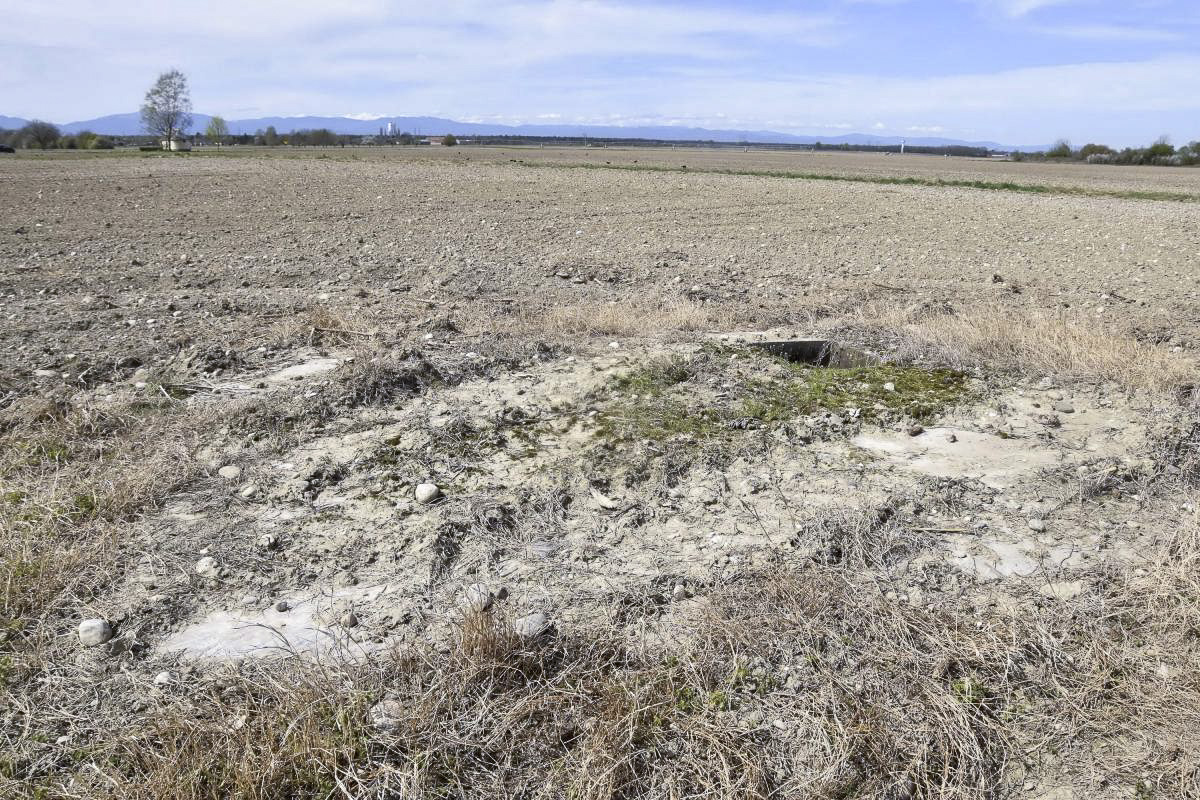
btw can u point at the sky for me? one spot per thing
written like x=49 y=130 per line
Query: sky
x=1122 y=72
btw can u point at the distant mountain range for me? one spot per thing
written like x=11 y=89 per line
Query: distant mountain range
x=131 y=124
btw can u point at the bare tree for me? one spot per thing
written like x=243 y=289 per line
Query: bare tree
x=167 y=110
x=40 y=134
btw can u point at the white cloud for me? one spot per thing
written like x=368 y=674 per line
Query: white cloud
x=1113 y=33
x=1021 y=8
x=591 y=61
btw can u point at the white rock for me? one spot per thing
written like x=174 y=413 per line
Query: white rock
x=477 y=597
x=163 y=678
x=229 y=472
x=268 y=541
x=889 y=387
x=207 y=567
x=679 y=592
x=1038 y=525
x=94 y=632
x=249 y=491
x=426 y=493
x=387 y=715
x=531 y=625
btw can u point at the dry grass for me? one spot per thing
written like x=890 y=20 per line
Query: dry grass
x=1033 y=343
x=653 y=317
x=800 y=681
x=66 y=474
x=1132 y=692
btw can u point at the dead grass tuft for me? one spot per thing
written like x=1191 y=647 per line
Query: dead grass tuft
x=374 y=379
x=1032 y=343
x=66 y=473
x=630 y=319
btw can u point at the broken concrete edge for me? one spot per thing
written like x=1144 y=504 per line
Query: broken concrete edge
x=818 y=352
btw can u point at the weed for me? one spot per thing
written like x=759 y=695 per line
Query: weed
x=657 y=408
x=873 y=394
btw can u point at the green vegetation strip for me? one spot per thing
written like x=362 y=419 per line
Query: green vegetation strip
x=893 y=180
x=664 y=405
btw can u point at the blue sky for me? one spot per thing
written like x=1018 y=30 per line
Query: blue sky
x=1014 y=71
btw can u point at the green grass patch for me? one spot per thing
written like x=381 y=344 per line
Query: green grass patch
x=656 y=402
x=877 y=393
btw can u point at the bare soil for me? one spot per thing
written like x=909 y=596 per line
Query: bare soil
x=660 y=561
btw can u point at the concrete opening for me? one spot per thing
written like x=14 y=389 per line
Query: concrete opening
x=818 y=353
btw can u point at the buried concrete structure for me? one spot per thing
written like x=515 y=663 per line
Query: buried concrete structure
x=569 y=522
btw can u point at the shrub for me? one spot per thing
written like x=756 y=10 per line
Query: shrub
x=1089 y=150
x=40 y=134
x=1061 y=149
x=449 y=140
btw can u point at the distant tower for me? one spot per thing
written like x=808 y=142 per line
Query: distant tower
x=902 y=142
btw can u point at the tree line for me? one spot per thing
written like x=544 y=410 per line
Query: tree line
x=38 y=135
x=166 y=115
x=1160 y=154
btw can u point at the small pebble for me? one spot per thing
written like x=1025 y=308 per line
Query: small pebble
x=426 y=493
x=477 y=597
x=531 y=625
x=387 y=714
x=94 y=632
x=207 y=567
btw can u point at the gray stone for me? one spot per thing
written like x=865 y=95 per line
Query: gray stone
x=1037 y=525
x=426 y=493
x=477 y=597
x=268 y=541
x=541 y=549
x=349 y=620
x=386 y=715
x=1064 y=408
x=679 y=592
x=229 y=472
x=164 y=678
x=249 y=491
x=207 y=567
x=94 y=632
x=531 y=625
